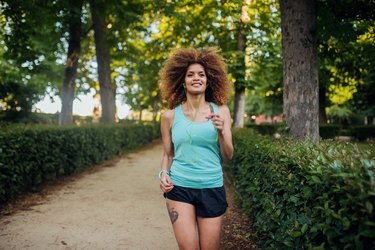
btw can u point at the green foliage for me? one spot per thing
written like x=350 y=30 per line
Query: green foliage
x=141 y=33
x=266 y=76
x=326 y=131
x=302 y=195
x=30 y=54
x=29 y=156
x=267 y=128
x=329 y=131
x=345 y=32
x=339 y=113
x=17 y=99
x=363 y=132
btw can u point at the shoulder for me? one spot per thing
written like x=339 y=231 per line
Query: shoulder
x=224 y=109
x=168 y=116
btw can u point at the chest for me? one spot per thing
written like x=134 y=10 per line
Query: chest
x=194 y=133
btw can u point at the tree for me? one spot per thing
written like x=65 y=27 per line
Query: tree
x=300 y=95
x=264 y=93
x=27 y=53
x=345 y=32
x=70 y=72
x=107 y=88
x=240 y=68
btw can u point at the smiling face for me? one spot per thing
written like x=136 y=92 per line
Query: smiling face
x=195 y=79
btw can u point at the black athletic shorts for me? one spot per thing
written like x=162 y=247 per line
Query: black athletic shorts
x=208 y=202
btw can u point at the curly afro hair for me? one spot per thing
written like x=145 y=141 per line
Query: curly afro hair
x=173 y=73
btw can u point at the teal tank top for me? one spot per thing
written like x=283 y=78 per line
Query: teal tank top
x=196 y=162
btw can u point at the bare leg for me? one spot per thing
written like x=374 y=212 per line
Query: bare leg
x=183 y=220
x=209 y=232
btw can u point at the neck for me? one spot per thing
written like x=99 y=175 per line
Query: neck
x=194 y=102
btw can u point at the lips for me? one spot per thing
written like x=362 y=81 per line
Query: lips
x=196 y=84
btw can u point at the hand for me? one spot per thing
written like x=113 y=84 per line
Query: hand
x=217 y=121
x=166 y=184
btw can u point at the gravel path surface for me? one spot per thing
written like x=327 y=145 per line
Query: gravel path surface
x=117 y=205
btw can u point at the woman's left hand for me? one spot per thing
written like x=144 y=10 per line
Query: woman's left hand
x=217 y=121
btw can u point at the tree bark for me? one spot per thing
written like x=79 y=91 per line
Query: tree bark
x=107 y=89
x=239 y=96
x=140 y=115
x=301 y=100
x=239 y=107
x=71 y=65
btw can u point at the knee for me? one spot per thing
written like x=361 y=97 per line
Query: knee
x=188 y=245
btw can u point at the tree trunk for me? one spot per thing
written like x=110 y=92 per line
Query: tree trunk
x=301 y=100
x=70 y=71
x=239 y=107
x=107 y=89
x=140 y=115
x=239 y=95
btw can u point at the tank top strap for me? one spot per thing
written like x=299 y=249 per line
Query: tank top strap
x=215 y=107
x=178 y=113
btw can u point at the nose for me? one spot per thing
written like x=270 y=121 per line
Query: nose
x=196 y=78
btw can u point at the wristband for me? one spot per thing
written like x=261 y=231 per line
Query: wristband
x=163 y=171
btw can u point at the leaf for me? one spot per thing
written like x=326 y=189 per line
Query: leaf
x=304 y=228
x=316 y=179
x=346 y=223
x=368 y=233
x=370 y=223
x=293 y=199
x=296 y=234
x=369 y=207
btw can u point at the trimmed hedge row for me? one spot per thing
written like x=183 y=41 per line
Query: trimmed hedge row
x=359 y=132
x=302 y=195
x=30 y=156
x=326 y=131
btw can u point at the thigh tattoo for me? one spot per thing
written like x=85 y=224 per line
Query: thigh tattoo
x=173 y=214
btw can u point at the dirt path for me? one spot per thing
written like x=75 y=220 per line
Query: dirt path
x=113 y=207
x=117 y=205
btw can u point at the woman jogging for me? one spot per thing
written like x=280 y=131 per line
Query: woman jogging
x=196 y=133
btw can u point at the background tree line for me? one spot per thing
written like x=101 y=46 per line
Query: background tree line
x=117 y=48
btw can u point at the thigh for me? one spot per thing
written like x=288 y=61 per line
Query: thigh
x=209 y=232
x=183 y=220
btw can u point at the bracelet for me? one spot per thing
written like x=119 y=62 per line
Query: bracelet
x=163 y=171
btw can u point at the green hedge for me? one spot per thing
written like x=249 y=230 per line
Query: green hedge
x=329 y=131
x=363 y=132
x=30 y=156
x=267 y=128
x=326 y=131
x=302 y=195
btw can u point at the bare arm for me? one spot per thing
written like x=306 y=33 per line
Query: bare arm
x=222 y=122
x=166 y=123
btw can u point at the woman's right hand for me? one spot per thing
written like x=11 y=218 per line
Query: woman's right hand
x=166 y=184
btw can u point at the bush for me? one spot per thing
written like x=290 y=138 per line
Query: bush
x=30 y=156
x=326 y=131
x=361 y=133
x=264 y=128
x=329 y=131
x=302 y=195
